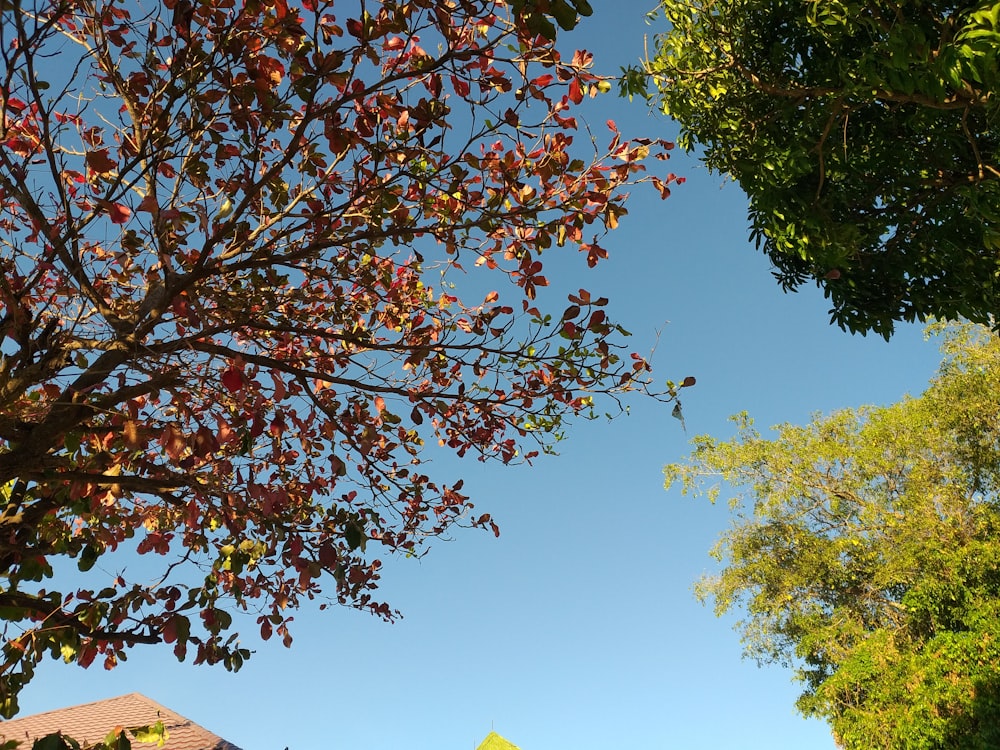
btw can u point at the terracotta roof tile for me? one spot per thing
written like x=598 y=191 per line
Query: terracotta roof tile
x=91 y=722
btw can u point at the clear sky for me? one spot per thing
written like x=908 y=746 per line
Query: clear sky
x=577 y=628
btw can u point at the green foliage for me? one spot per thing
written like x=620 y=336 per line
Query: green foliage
x=865 y=135
x=865 y=553
x=536 y=14
x=115 y=740
x=494 y=741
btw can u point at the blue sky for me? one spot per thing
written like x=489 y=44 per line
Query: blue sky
x=577 y=628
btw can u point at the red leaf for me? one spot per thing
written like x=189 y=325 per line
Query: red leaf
x=461 y=87
x=688 y=381
x=272 y=70
x=279 y=387
x=173 y=441
x=433 y=84
x=85 y=657
x=148 y=204
x=355 y=28
x=119 y=213
x=100 y=162
x=596 y=320
x=662 y=187
x=575 y=91
x=232 y=379
x=224 y=433
x=595 y=253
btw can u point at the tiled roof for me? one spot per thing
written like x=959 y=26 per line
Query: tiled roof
x=91 y=722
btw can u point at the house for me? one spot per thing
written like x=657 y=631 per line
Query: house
x=494 y=741
x=92 y=722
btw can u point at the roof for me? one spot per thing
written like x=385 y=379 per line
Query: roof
x=92 y=722
x=494 y=741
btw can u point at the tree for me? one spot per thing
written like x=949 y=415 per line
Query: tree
x=865 y=135
x=494 y=741
x=866 y=553
x=232 y=234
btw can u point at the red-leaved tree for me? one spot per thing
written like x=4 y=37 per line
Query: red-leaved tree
x=234 y=235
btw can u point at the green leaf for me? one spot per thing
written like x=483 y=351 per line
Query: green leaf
x=156 y=733
x=88 y=557
x=564 y=13
x=540 y=26
x=54 y=742
x=354 y=535
x=116 y=741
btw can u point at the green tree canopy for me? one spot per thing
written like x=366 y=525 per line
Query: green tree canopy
x=865 y=553
x=494 y=741
x=865 y=135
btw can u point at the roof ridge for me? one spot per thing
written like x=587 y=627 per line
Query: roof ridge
x=133 y=694
x=155 y=704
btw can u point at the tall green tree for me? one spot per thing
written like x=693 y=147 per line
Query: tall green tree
x=865 y=553
x=865 y=134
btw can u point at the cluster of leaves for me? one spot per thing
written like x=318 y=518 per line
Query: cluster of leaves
x=865 y=135
x=230 y=325
x=538 y=15
x=866 y=553
x=118 y=739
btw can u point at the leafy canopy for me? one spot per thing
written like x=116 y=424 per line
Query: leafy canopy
x=256 y=258
x=865 y=552
x=865 y=135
